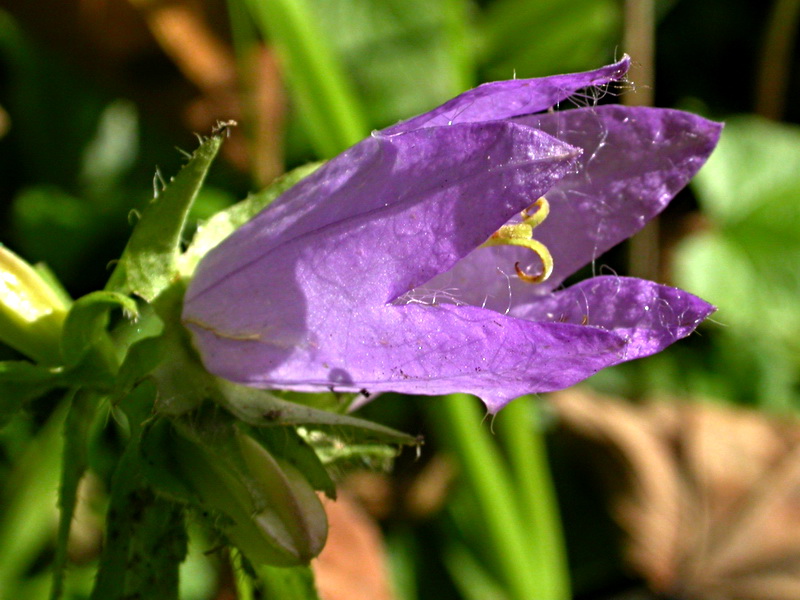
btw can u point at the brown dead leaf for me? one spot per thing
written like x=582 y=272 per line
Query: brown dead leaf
x=353 y=564
x=708 y=496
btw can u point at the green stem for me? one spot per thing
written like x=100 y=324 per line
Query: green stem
x=489 y=481
x=776 y=59
x=243 y=582
x=522 y=435
x=644 y=251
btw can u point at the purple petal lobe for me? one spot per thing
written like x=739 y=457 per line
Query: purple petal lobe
x=648 y=316
x=421 y=350
x=506 y=99
x=394 y=211
x=634 y=161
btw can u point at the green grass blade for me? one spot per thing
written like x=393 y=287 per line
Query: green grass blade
x=460 y=422
x=329 y=106
x=520 y=432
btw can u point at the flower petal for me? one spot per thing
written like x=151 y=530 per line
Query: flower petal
x=647 y=315
x=634 y=161
x=388 y=215
x=506 y=99
x=420 y=350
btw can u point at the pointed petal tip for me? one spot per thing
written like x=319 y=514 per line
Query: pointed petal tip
x=617 y=70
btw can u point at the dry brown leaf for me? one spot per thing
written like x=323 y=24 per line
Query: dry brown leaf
x=353 y=564
x=708 y=496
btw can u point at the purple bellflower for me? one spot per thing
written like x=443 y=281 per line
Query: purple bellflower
x=422 y=261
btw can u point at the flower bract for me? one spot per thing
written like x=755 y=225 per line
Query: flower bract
x=382 y=271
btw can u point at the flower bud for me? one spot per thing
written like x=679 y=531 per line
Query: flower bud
x=31 y=313
x=265 y=506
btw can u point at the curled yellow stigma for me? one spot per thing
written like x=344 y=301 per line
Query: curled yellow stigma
x=521 y=234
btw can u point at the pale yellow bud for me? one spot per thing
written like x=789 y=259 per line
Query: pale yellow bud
x=31 y=313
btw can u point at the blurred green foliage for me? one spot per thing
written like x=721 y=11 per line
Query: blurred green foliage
x=746 y=259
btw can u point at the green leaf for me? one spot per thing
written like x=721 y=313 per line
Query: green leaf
x=22 y=381
x=86 y=324
x=745 y=259
x=113 y=150
x=747 y=265
x=755 y=160
x=149 y=262
x=334 y=120
x=52 y=226
x=522 y=433
x=488 y=479
x=225 y=222
x=470 y=575
x=421 y=53
x=20 y=371
x=533 y=39
x=25 y=528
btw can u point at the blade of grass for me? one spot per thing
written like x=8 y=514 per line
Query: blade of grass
x=470 y=576
x=401 y=547
x=521 y=433
x=329 y=106
x=460 y=422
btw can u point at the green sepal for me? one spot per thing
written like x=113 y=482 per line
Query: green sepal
x=142 y=358
x=149 y=263
x=262 y=409
x=157 y=454
x=286 y=443
x=225 y=222
x=87 y=321
x=88 y=357
x=287 y=507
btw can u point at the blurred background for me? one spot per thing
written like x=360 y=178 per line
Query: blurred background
x=676 y=476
